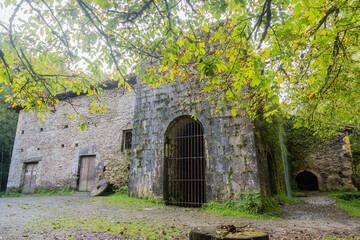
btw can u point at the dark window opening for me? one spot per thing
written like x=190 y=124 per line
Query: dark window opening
x=38 y=149
x=62 y=145
x=41 y=129
x=66 y=126
x=127 y=136
x=184 y=164
x=307 y=181
x=22 y=132
x=21 y=150
x=76 y=144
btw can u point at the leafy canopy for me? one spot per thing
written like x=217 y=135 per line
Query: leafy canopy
x=287 y=56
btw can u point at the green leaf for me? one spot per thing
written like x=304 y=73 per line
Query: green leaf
x=297 y=9
x=255 y=81
x=306 y=3
x=275 y=99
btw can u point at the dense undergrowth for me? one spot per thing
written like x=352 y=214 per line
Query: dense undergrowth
x=251 y=205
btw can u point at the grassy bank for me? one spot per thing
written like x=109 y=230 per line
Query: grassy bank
x=348 y=201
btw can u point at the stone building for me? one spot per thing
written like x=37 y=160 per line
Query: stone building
x=53 y=154
x=183 y=160
x=326 y=166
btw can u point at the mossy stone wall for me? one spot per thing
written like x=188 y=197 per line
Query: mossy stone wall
x=268 y=148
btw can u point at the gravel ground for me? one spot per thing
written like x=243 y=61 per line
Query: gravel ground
x=315 y=218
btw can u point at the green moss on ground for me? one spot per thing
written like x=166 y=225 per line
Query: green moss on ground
x=129 y=228
x=64 y=191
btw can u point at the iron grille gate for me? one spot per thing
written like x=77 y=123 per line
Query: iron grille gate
x=184 y=183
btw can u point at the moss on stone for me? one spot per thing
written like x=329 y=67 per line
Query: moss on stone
x=271 y=170
x=355 y=149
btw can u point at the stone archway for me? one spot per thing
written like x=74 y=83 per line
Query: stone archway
x=307 y=181
x=184 y=163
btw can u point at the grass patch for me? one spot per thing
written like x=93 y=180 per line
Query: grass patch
x=220 y=208
x=64 y=191
x=341 y=238
x=129 y=228
x=286 y=199
x=299 y=194
x=122 y=200
x=348 y=201
x=247 y=204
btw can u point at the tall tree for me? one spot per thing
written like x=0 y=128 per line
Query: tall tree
x=299 y=56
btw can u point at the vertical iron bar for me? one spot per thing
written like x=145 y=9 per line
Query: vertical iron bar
x=183 y=193
x=188 y=162
x=202 y=166
x=184 y=145
x=192 y=162
x=165 y=169
x=198 y=164
x=195 y=165
x=176 y=157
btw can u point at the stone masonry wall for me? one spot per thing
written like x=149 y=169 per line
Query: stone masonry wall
x=231 y=164
x=331 y=163
x=57 y=144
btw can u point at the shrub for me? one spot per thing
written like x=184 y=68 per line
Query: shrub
x=245 y=202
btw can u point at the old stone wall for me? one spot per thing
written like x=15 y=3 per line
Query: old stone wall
x=330 y=161
x=231 y=164
x=57 y=145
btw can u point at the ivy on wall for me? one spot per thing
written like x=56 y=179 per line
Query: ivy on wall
x=355 y=149
x=299 y=143
x=271 y=170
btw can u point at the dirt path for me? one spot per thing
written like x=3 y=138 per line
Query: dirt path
x=316 y=217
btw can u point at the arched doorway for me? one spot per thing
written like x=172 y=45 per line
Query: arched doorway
x=184 y=163
x=307 y=181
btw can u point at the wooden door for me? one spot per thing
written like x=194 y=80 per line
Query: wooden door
x=87 y=170
x=30 y=177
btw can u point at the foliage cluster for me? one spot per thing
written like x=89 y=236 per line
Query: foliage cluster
x=348 y=201
x=299 y=55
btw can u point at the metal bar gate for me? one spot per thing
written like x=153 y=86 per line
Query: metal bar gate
x=184 y=183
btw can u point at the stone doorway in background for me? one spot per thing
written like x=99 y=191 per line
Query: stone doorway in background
x=307 y=181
